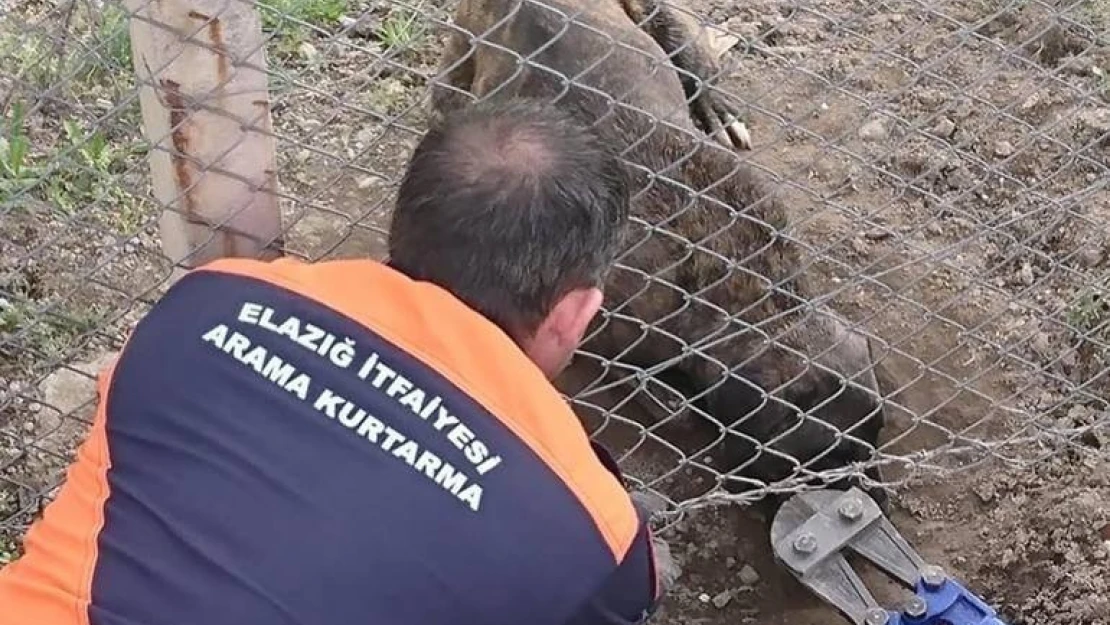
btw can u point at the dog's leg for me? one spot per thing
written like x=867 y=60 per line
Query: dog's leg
x=687 y=44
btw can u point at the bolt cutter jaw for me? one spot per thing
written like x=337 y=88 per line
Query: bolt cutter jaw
x=811 y=533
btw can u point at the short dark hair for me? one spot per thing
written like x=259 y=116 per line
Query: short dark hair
x=509 y=206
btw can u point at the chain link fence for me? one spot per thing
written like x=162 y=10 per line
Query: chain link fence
x=944 y=166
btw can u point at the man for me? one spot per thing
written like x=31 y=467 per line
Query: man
x=352 y=442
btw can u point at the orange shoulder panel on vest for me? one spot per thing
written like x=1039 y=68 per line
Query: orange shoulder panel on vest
x=52 y=584
x=473 y=354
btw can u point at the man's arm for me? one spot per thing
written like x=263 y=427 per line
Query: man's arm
x=633 y=592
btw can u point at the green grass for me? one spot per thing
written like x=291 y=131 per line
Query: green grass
x=110 y=54
x=52 y=157
x=16 y=172
x=80 y=169
x=93 y=56
x=1097 y=14
x=28 y=57
x=402 y=30
x=290 y=22
x=31 y=331
x=284 y=15
x=1088 y=317
x=1091 y=312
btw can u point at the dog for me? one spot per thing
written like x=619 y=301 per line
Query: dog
x=708 y=291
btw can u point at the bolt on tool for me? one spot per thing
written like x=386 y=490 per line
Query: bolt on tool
x=813 y=530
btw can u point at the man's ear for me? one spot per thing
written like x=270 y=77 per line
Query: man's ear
x=555 y=340
x=571 y=315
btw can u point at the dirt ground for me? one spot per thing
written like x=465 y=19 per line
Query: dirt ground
x=946 y=162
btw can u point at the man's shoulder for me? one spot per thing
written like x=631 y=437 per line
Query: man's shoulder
x=431 y=346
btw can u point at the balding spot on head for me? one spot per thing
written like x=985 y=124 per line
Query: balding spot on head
x=502 y=150
x=509 y=205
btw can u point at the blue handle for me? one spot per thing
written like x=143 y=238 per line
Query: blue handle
x=950 y=603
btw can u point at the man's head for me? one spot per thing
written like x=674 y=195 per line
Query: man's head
x=517 y=210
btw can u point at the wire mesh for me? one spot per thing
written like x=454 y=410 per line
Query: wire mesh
x=936 y=237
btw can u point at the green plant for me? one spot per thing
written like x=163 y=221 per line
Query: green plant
x=288 y=21
x=1090 y=312
x=109 y=37
x=81 y=170
x=43 y=332
x=114 y=29
x=401 y=30
x=29 y=56
x=16 y=174
x=88 y=169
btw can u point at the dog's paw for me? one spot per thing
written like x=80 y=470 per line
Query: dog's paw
x=720 y=120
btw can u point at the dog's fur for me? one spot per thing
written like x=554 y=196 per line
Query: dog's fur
x=694 y=286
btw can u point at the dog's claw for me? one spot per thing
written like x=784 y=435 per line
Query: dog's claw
x=736 y=135
x=720 y=122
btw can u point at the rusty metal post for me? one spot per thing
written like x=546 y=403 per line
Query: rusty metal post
x=201 y=69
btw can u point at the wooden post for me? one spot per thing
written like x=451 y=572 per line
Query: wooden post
x=201 y=69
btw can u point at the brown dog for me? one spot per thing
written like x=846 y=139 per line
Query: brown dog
x=709 y=293
x=643 y=26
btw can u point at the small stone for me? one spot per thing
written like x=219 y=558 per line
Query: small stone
x=1090 y=257
x=873 y=130
x=29 y=426
x=945 y=128
x=1025 y=275
x=1096 y=119
x=363 y=137
x=366 y=26
x=704 y=598
x=1041 y=344
x=1069 y=359
x=985 y=492
x=1003 y=149
x=721 y=599
x=730 y=562
x=749 y=576
x=308 y=51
